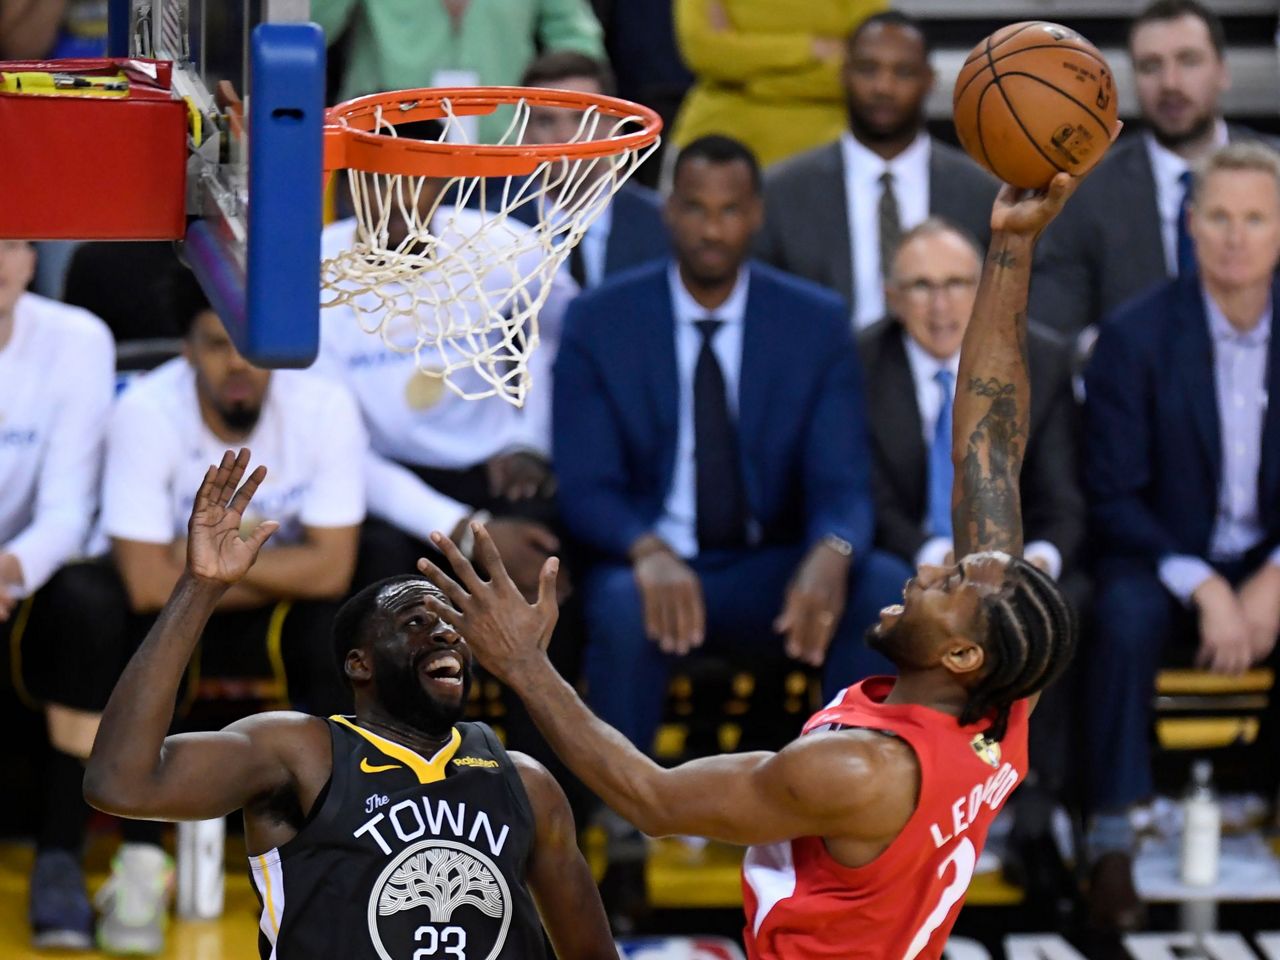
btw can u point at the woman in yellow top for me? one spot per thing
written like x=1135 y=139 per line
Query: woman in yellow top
x=768 y=72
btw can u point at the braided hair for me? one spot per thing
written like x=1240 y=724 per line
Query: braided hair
x=1031 y=636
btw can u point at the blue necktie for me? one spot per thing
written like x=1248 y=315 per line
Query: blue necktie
x=941 y=472
x=1186 y=246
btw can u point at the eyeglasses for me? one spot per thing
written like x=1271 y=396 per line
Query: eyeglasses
x=924 y=289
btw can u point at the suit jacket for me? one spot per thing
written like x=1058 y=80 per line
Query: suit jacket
x=1106 y=245
x=637 y=233
x=801 y=418
x=806 y=220
x=1153 y=450
x=1052 y=499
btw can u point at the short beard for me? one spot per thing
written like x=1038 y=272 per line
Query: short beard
x=240 y=418
x=865 y=133
x=403 y=697
x=1200 y=130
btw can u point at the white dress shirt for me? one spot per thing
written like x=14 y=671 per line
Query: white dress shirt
x=1240 y=394
x=862 y=188
x=595 y=246
x=924 y=367
x=1168 y=168
x=56 y=386
x=678 y=525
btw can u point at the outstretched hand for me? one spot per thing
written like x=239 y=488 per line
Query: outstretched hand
x=503 y=629
x=215 y=550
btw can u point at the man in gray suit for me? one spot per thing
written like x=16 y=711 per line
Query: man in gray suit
x=835 y=214
x=1125 y=230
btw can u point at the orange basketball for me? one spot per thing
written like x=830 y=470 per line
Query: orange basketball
x=1032 y=99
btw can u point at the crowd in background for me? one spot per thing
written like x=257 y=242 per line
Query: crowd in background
x=745 y=446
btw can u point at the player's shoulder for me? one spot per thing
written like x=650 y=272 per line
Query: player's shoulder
x=284 y=730
x=770 y=281
x=862 y=763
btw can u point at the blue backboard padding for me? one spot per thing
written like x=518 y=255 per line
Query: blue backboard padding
x=286 y=187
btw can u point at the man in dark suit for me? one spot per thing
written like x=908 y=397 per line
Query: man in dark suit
x=910 y=361
x=1124 y=232
x=630 y=231
x=1183 y=474
x=834 y=215
x=709 y=435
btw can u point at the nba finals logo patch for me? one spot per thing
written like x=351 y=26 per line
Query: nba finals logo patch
x=440 y=898
x=988 y=751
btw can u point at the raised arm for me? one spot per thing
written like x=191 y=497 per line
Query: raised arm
x=993 y=391
x=134 y=770
x=820 y=785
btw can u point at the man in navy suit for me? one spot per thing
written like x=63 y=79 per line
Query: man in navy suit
x=630 y=231
x=1183 y=474
x=710 y=438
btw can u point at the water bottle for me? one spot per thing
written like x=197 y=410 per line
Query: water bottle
x=200 y=868
x=1202 y=828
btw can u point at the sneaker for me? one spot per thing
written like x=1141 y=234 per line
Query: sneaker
x=135 y=901
x=61 y=917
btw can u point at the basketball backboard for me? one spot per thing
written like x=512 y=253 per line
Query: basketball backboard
x=252 y=73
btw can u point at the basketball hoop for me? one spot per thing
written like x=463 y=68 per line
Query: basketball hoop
x=462 y=291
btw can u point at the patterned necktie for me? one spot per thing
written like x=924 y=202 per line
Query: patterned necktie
x=721 y=502
x=941 y=471
x=890 y=224
x=1186 y=246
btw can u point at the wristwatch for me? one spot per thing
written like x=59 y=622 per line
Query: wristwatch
x=839 y=544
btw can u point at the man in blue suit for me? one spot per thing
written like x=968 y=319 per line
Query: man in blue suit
x=1183 y=474
x=710 y=438
x=630 y=231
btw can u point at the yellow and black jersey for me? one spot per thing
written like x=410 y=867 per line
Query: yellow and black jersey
x=405 y=857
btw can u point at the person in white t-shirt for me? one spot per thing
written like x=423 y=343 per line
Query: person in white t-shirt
x=56 y=370
x=168 y=426
x=438 y=460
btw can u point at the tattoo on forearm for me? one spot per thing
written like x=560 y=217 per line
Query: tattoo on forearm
x=1003 y=258
x=991 y=515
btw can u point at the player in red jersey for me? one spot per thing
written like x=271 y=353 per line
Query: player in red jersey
x=864 y=831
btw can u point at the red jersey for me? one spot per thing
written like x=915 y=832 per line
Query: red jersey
x=800 y=903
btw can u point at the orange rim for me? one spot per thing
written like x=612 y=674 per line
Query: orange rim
x=351 y=141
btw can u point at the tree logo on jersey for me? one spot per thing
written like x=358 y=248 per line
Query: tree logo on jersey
x=440 y=897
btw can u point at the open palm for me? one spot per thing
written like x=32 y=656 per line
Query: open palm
x=215 y=549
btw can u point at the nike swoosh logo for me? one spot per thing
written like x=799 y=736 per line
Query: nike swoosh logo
x=367 y=767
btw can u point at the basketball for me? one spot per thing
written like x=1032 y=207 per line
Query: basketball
x=1033 y=99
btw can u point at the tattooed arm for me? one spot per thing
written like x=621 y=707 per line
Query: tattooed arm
x=993 y=395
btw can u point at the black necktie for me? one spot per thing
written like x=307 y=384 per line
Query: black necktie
x=721 y=503
x=578 y=265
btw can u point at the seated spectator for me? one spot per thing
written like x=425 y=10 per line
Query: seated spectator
x=630 y=229
x=710 y=444
x=910 y=361
x=834 y=215
x=1091 y=260
x=453 y=43
x=167 y=428
x=437 y=459
x=765 y=74
x=56 y=375
x=1183 y=473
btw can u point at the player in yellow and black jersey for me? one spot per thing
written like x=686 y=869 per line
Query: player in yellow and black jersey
x=398 y=832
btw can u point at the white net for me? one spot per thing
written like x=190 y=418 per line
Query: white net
x=456 y=271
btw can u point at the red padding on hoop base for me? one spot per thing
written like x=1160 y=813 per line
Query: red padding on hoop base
x=94 y=168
